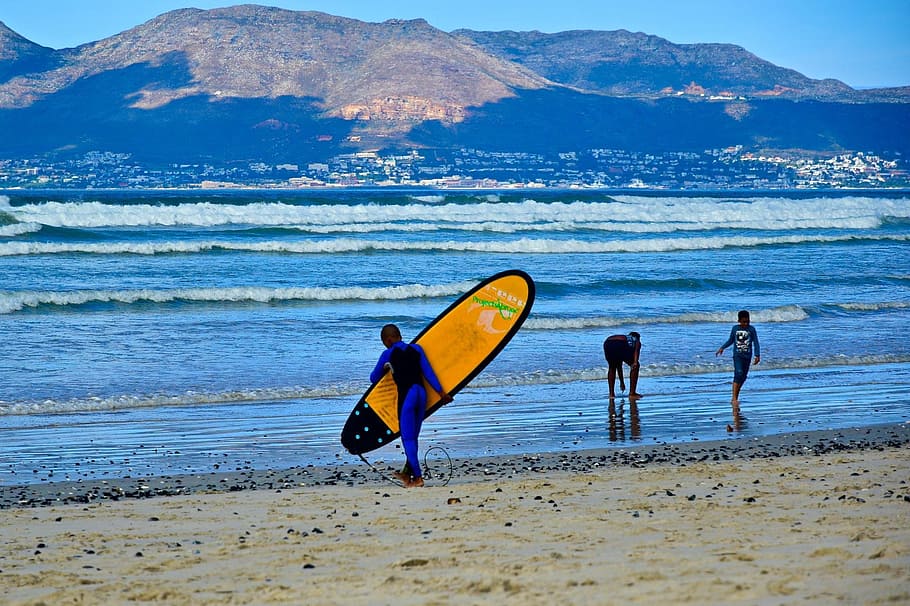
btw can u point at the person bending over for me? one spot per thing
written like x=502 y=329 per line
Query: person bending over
x=619 y=349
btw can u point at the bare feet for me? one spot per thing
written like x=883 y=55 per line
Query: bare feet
x=634 y=396
x=402 y=477
x=415 y=483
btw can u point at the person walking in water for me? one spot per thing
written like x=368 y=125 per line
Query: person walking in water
x=409 y=366
x=619 y=349
x=744 y=339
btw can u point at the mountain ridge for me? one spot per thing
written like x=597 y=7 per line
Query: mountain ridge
x=262 y=82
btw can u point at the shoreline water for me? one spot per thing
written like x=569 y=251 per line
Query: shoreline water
x=498 y=420
x=464 y=470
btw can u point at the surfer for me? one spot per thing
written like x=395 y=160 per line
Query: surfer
x=619 y=349
x=409 y=366
x=745 y=338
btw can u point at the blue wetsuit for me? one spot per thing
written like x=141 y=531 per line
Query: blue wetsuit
x=409 y=367
x=744 y=340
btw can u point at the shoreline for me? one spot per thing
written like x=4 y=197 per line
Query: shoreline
x=810 y=518
x=464 y=470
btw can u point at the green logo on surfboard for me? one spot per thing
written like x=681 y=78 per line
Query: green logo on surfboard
x=506 y=311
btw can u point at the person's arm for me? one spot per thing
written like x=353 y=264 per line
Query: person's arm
x=728 y=343
x=756 y=346
x=430 y=375
x=380 y=369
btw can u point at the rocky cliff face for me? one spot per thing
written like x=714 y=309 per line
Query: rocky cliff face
x=402 y=70
x=20 y=56
x=622 y=63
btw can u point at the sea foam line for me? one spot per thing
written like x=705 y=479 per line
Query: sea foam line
x=12 y=230
x=16 y=301
x=484 y=381
x=873 y=306
x=629 y=213
x=785 y=313
x=517 y=246
x=190 y=398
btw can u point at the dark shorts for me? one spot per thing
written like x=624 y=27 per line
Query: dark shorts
x=617 y=351
x=741 y=368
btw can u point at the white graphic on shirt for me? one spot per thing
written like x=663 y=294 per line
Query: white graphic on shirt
x=743 y=341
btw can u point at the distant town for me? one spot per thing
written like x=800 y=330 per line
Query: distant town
x=731 y=168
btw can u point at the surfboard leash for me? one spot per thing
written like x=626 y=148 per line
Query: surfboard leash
x=430 y=471
x=433 y=471
x=380 y=472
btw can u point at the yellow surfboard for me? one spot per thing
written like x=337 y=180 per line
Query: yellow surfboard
x=459 y=343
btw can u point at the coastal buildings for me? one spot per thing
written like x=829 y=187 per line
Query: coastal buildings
x=718 y=169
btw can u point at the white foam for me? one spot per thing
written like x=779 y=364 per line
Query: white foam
x=517 y=246
x=18 y=229
x=874 y=306
x=539 y=377
x=192 y=398
x=627 y=214
x=785 y=313
x=15 y=301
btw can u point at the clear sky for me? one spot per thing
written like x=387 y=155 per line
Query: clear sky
x=864 y=43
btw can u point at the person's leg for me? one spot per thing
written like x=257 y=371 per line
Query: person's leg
x=611 y=377
x=740 y=372
x=633 y=382
x=412 y=412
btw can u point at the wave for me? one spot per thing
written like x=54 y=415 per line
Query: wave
x=623 y=214
x=11 y=230
x=774 y=315
x=541 y=377
x=785 y=313
x=192 y=398
x=16 y=301
x=518 y=246
x=873 y=306
x=561 y=376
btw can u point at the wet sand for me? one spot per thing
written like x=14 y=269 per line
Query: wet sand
x=813 y=517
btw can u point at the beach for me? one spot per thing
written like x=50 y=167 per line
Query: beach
x=179 y=365
x=815 y=517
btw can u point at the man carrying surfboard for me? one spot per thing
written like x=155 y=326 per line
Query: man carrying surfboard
x=619 y=349
x=409 y=367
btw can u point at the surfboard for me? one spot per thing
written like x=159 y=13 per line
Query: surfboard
x=459 y=344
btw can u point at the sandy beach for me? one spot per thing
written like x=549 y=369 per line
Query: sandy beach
x=812 y=518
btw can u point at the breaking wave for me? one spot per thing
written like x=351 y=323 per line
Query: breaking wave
x=541 y=377
x=518 y=246
x=16 y=301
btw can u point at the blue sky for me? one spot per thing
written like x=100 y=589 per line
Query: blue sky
x=861 y=43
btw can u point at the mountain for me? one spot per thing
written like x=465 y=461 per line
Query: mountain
x=257 y=83
x=621 y=63
x=251 y=51
x=19 y=56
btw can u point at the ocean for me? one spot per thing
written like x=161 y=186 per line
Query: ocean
x=166 y=332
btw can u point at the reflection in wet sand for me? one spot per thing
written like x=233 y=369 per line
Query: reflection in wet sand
x=739 y=421
x=617 y=423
